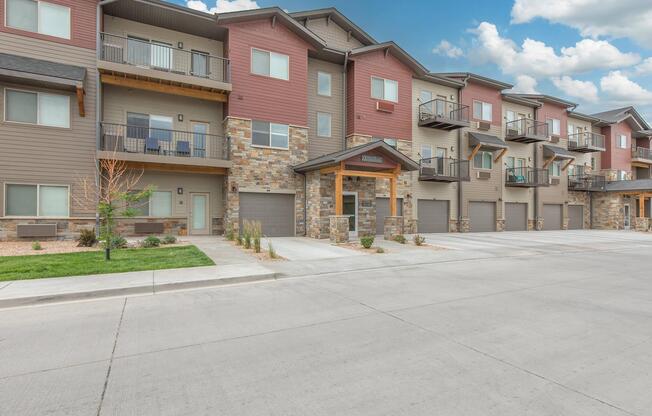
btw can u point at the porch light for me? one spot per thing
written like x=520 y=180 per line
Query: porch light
x=179 y=191
x=180 y=117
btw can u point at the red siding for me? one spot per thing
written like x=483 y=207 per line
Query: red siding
x=82 y=18
x=478 y=92
x=362 y=116
x=548 y=110
x=613 y=157
x=263 y=98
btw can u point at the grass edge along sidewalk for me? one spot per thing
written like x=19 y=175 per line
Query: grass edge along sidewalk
x=92 y=262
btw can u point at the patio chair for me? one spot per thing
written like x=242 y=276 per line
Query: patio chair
x=152 y=145
x=183 y=148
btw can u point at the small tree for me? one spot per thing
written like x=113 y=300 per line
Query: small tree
x=112 y=192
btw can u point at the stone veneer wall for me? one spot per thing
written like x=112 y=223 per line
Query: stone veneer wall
x=173 y=226
x=608 y=211
x=404 y=186
x=67 y=229
x=259 y=169
x=582 y=198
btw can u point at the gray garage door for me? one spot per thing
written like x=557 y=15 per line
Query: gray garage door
x=274 y=211
x=575 y=217
x=382 y=211
x=433 y=216
x=552 y=214
x=482 y=216
x=515 y=216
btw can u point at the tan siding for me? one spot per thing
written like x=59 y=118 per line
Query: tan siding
x=333 y=34
x=35 y=154
x=333 y=105
x=482 y=189
x=582 y=158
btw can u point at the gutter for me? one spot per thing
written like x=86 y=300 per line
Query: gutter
x=344 y=86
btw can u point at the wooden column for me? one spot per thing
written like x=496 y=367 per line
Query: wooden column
x=339 y=202
x=641 y=206
x=393 y=184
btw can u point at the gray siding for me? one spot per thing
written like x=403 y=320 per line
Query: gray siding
x=333 y=34
x=333 y=105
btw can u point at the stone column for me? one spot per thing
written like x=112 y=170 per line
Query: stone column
x=339 y=229
x=393 y=227
x=464 y=226
x=641 y=223
x=500 y=225
x=539 y=224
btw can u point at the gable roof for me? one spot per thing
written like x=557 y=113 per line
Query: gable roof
x=336 y=16
x=493 y=83
x=396 y=51
x=547 y=99
x=620 y=114
x=513 y=98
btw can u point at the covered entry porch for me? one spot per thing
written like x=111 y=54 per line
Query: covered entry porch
x=341 y=191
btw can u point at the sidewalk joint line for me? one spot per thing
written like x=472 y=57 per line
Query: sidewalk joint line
x=108 y=371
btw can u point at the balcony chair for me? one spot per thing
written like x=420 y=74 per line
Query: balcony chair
x=152 y=145
x=183 y=148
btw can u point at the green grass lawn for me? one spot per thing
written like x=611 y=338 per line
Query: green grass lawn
x=92 y=262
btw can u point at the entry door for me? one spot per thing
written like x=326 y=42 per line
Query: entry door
x=350 y=208
x=440 y=154
x=199 y=218
x=626 y=219
x=199 y=132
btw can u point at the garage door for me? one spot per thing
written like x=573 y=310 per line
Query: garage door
x=433 y=216
x=552 y=214
x=575 y=217
x=515 y=216
x=382 y=211
x=482 y=216
x=274 y=211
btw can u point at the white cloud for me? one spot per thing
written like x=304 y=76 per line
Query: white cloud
x=644 y=67
x=447 y=49
x=223 y=6
x=537 y=59
x=593 y=18
x=619 y=89
x=584 y=90
x=525 y=85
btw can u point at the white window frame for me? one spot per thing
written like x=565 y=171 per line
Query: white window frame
x=330 y=124
x=618 y=142
x=551 y=169
x=38 y=109
x=490 y=106
x=385 y=81
x=149 y=203
x=38 y=19
x=330 y=83
x=38 y=197
x=551 y=132
x=270 y=136
x=482 y=153
x=269 y=74
x=421 y=153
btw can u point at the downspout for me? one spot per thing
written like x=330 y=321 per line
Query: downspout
x=536 y=166
x=346 y=62
x=459 y=153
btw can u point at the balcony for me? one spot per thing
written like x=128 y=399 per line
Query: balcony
x=164 y=149
x=586 y=142
x=443 y=115
x=443 y=169
x=136 y=63
x=526 y=130
x=526 y=177
x=586 y=182
x=642 y=155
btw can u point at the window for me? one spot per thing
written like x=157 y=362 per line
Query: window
x=36 y=200
x=384 y=89
x=510 y=162
x=427 y=105
x=482 y=111
x=555 y=169
x=270 y=64
x=621 y=141
x=593 y=163
x=200 y=66
x=37 y=108
x=160 y=204
x=483 y=160
x=143 y=126
x=39 y=16
x=324 y=84
x=426 y=151
x=267 y=134
x=323 y=125
x=554 y=126
x=570 y=129
x=622 y=175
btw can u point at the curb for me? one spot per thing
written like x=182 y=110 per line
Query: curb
x=135 y=290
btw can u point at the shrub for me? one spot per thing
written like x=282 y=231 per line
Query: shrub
x=150 y=241
x=169 y=239
x=86 y=238
x=238 y=240
x=380 y=250
x=246 y=234
x=256 y=234
x=272 y=252
x=118 y=241
x=400 y=238
x=36 y=246
x=367 y=241
x=419 y=240
x=229 y=234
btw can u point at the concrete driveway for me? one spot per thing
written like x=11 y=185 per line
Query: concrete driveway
x=565 y=331
x=303 y=248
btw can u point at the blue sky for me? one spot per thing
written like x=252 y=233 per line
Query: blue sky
x=588 y=51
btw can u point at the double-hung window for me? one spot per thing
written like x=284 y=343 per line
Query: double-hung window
x=555 y=169
x=266 y=134
x=159 y=204
x=621 y=142
x=426 y=103
x=40 y=108
x=270 y=64
x=483 y=160
x=37 y=200
x=39 y=16
x=143 y=126
x=323 y=125
x=554 y=126
x=482 y=110
x=426 y=151
x=324 y=83
x=384 y=89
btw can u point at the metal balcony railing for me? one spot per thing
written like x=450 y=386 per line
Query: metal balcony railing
x=163 y=57
x=162 y=142
x=586 y=182
x=526 y=127
x=444 y=167
x=641 y=153
x=440 y=108
x=526 y=176
x=585 y=140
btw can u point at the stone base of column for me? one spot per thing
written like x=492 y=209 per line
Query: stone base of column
x=500 y=225
x=464 y=225
x=539 y=224
x=339 y=229
x=641 y=224
x=393 y=227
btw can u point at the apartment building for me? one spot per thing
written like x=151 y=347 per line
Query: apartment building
x=302 y=121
